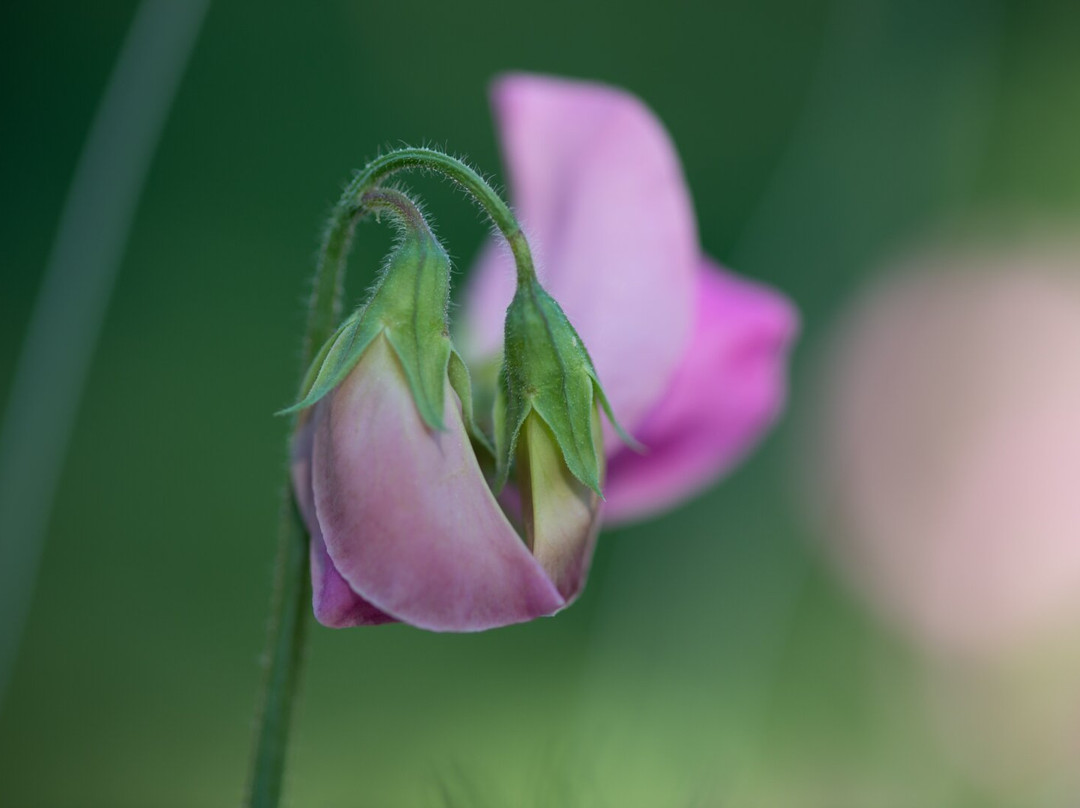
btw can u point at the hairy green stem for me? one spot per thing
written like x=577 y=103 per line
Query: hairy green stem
x=325 y=307
x=292 y=588
x=397 y=205
x=351 y=207
x=284 y=651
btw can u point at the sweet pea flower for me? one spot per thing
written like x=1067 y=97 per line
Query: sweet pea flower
x=403 y=520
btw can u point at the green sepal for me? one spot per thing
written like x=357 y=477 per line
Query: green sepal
x=462 y=384
x=624 y=436
x=547 y=370
x=334 y=360
x=408 y=305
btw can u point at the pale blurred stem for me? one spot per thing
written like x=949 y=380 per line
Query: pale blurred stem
x=292 y=588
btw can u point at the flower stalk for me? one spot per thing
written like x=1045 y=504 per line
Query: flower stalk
x=325 y=307
x=282 y=658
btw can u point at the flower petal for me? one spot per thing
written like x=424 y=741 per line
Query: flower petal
x=407 y=516
x=333 y=601
x=601 y=195
x=561 y=514
x=730 y=386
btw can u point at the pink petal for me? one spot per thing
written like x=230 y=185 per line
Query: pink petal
x=602 y=198
x=729 y=388
x=406 y=515
x=950 y=449
x=333 y=601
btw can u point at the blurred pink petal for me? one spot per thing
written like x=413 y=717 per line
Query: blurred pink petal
x=599 y=189
x=728 y=389
x=406 y=515
x=953 y=449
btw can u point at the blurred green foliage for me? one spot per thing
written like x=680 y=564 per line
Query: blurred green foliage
x=712 y=659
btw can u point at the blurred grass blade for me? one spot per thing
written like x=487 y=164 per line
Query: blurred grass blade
x=76 y=286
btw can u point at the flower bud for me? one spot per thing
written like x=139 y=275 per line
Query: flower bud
x=408 y=307
x=547 y=372
x=547 y=420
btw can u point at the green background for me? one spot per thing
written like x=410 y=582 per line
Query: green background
x=713 y=658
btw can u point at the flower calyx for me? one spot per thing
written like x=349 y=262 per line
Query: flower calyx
x=408 y=307
x=547 y=375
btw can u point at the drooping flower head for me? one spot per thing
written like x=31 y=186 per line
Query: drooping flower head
x=403 y=494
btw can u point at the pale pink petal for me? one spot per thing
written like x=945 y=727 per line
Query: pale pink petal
x=561 y=514
x=333 y=601
x=729 y=388
x=602 y=198
x=407 y=516
x=950 y=448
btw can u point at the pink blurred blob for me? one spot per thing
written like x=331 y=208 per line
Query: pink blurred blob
x=951 y=449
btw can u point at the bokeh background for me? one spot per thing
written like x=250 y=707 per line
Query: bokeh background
x=716 y=657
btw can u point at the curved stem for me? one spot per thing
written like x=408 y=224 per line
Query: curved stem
x=351 y=206
x=456 y=171
x=324 y=310
x=397 y=205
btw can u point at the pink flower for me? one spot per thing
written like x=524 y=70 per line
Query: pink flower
x=693 y=358
x=951 y=450
x=403 y=523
